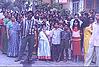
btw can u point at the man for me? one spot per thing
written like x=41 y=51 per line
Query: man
x=27 y=37
x=93 y=44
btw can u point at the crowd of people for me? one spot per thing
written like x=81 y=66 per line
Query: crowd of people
x=47 y=34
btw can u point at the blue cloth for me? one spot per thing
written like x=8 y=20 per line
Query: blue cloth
x=13 y=46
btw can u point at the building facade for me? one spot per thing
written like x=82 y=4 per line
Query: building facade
x=91 y=4
x=76 y=6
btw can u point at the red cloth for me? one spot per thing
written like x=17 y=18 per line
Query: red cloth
x=76 y=46
x=1 y=33
x=1 y=21
x=44 y=57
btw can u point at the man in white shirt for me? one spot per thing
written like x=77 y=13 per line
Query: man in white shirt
x=55 y=38
x=94 y=44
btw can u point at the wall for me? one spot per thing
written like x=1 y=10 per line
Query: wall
x=47 y=1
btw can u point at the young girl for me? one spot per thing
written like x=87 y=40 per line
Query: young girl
x=76 y=40
x=44 y=46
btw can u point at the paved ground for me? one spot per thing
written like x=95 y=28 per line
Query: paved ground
x=6 y=61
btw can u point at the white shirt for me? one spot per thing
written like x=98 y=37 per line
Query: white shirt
x=55 y=34
x=95 y=35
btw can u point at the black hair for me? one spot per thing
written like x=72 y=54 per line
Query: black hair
x=36 y=17
x=44 y=17
x=78 y=26
x=43 y=26
x=76 y=15
x=64 y=23
x=30 y=12
x=91 y=17
x=55 y=21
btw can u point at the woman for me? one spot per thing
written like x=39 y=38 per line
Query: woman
x=1 y=33
x=76 y=40
x=13 y=38
x=87 y=35
x=5 y=38
x=44 y=52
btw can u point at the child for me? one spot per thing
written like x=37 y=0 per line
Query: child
x=65 y=37
x=76 y=40
x=55 y=37
x=44 y=46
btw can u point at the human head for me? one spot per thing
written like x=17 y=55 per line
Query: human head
x=44 y=18
x=76 y=24
x=76 y=16
x=97 y=18
x=29 y=14
x=9 y=15
x=66 y=27
x=61 y=22
x=56 y=24
x=91 y=19
x=44 y=27
x=13 y=19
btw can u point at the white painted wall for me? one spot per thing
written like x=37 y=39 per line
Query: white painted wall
x=81 y=5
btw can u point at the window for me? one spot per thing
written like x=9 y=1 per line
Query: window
x=89 y=4
x=97 y=6
x=75 y=7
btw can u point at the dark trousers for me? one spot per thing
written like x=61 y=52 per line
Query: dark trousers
x=30 y=40
x=55 y=52
x=62 y=48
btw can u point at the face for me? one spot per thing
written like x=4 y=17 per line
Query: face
x=30 y=15
x=97 y=17
x=5 y=14
x=13 y=19
x=44 y=20
x=65 y=27
x=9 y=15
x=76 y=17
x=60 y=26
x=56 y=25
x=91 y=20
x=75 y=23
x=44 y=28
x=60 y=21
x=21 y=18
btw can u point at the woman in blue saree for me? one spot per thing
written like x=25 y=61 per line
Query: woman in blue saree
x=13 y=38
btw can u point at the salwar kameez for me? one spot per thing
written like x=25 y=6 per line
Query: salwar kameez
x=87 y=36
x=1 y=33
x=43 y=47
x=5 y=39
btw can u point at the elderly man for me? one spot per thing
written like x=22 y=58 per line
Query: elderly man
x=94 y=44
